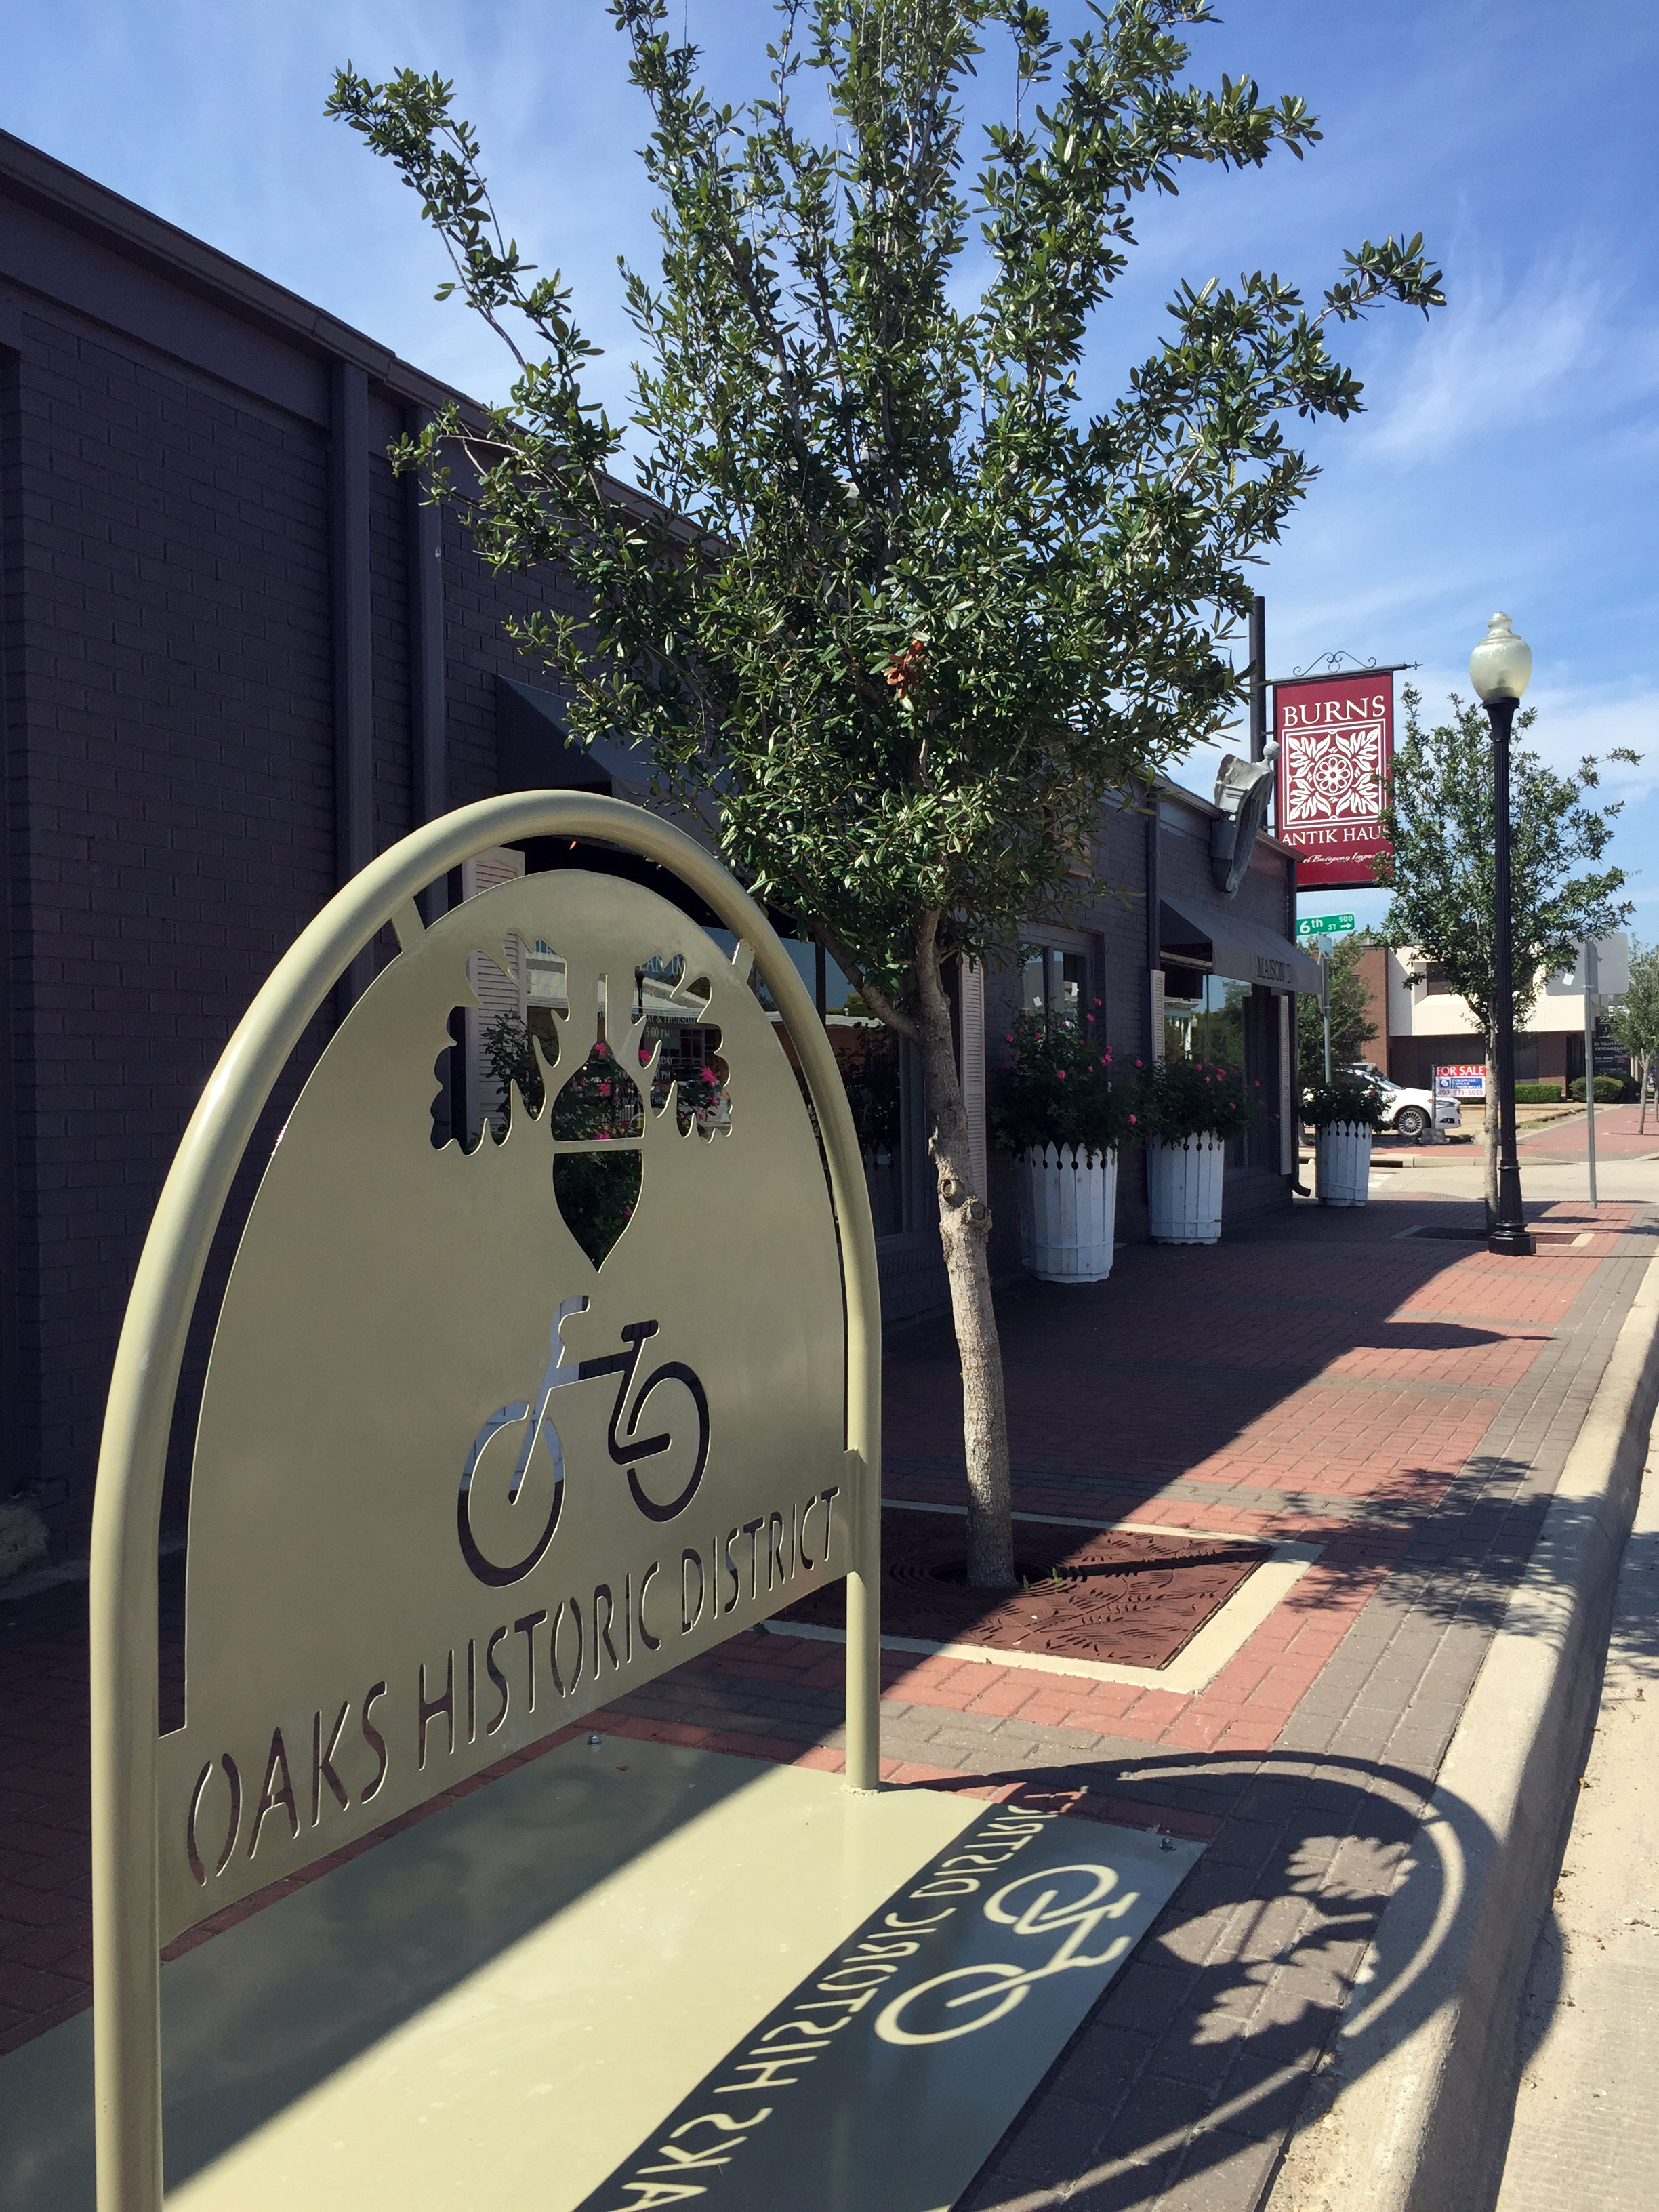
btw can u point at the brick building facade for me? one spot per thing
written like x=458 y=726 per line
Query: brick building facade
x=238 y=657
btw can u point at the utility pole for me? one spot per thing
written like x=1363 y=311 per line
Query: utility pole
x=1325 y=1002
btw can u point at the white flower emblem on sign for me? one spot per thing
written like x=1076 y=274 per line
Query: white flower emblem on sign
x=1335 y=775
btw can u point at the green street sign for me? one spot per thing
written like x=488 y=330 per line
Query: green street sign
x=1322 y=925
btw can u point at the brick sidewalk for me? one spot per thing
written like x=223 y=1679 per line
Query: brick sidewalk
x=1401 y=1402
x=1619 y=1136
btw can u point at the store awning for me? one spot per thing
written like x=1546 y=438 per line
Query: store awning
x=1229 y=945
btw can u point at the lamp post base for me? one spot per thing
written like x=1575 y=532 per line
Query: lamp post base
x=1508 y=1236
x=1510 y=1242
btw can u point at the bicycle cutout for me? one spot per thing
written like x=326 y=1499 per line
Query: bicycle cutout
x=532 y=1419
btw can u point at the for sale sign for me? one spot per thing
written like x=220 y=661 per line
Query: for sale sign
x=1466 y=1079
x=1336 y=742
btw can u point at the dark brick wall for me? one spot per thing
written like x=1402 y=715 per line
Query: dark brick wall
x=169 y=629
x=389 y=624
x=14 y=877
x=478 y=603
x=1115 y=922
x=168 y=676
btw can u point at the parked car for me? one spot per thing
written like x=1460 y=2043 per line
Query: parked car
x=1409 y=1114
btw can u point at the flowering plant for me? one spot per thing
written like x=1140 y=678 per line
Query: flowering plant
x=596 y=1195
x=598 y=1100
x=698 y=1096
x=1177 y=1099
x=1346 y=1101
x=1060 y=1090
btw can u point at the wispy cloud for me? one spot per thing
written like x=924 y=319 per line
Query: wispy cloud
x=1573 y=721
x=1509 y=356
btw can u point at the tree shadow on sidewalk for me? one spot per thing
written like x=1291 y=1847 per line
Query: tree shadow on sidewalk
x=1158 y=1372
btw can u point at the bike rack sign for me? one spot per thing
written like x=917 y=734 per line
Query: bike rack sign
x=461 y=1476
x=456 y=1485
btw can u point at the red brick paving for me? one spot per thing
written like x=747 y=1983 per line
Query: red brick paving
x=1400 y=1445
x=1617 y=1137
x=1351 y=1363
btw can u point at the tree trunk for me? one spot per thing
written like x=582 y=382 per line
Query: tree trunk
x=1491 y=1137
x=965 y=1221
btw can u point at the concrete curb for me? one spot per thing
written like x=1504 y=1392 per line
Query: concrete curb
x=1414 y=2119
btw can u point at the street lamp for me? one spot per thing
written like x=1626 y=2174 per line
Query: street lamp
x=1499 y=668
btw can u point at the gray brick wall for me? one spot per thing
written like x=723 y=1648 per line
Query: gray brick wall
x=168 y=629
x=168 y=676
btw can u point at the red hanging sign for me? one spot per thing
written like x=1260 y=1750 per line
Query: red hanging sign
x=1336 y=743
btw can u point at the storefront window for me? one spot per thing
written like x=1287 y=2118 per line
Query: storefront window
x=1054 y=983
x=1209 y=1026
x=872 y=1059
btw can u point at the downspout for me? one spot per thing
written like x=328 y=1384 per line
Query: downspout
x=1152 y=1005
x=1296 y=1183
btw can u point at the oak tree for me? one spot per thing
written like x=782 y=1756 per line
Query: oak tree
x=904 y=607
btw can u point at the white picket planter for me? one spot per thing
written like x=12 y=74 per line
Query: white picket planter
x=1067 y=1213
x=1342 y=1163
x=1183 y=1189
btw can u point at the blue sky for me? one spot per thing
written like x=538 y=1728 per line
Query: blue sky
x=1508 y=455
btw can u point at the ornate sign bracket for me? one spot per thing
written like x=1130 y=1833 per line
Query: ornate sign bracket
x=493 y=1539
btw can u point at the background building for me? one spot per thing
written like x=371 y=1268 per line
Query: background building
x=1427 y=1025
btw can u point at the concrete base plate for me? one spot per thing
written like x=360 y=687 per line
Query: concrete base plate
x=625 y=1975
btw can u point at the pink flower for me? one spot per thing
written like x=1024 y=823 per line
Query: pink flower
x=604 y=1090
x=1134 y=1118
x=1060 y=1074
x=599 y=1050
x=1141 y=1063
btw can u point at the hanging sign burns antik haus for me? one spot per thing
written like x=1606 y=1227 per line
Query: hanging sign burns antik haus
x=1336 y=742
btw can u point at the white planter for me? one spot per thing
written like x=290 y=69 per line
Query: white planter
x=1067 y=1213
x=1342 y=1163
x=1183 y=1189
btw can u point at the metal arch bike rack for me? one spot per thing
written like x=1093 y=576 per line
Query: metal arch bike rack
x=127 y=1504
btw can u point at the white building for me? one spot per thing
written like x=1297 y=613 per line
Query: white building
x=1428 y=1025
